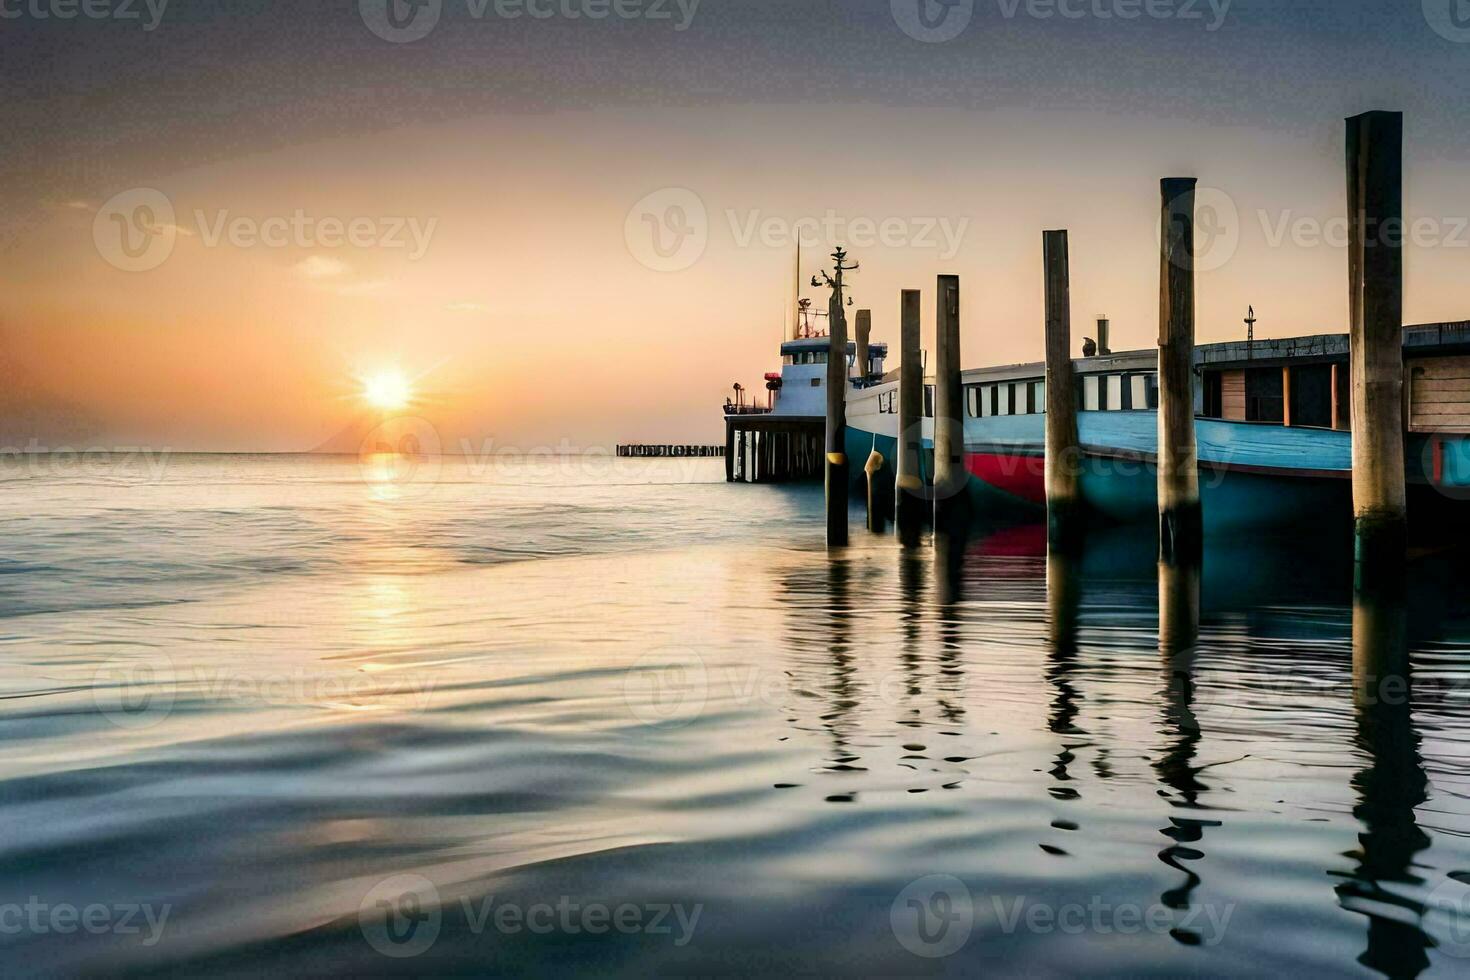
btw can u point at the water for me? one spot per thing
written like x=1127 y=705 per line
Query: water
x=616 y=715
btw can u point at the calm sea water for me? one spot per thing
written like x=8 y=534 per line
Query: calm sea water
x=314 y=716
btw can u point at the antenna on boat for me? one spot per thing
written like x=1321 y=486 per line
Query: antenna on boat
x=1250 y=332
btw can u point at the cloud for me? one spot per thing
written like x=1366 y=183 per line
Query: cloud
x=363 y=287
x=322 y=267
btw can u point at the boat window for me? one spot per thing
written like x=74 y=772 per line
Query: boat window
x=972 y=401
x=1038 y=397
x=1115 y=392
x=1002 y=399
x=1138 y=391
x=928 y=401
x=1090 y=393
x=1263 y=395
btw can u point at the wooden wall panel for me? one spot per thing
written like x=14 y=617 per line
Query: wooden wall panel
x=1232 y=395
x=1438 y=394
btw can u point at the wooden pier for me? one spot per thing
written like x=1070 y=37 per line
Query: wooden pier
x=651 y=451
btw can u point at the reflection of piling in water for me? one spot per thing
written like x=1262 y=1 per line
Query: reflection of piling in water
x=1375 y=295
x=911 y=565
x=1063 y=599
x=950 y=475
x=949 y=570
x=909 y=488
x=1180 y=523
x=1389 y=788
x=1063 y=497
x=1177 y=769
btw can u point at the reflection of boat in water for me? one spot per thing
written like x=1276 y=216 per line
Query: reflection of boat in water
x=1272 y=425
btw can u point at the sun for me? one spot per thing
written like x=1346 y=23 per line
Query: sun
x=388 y=390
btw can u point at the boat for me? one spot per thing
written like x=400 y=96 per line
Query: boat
x=1272 y=427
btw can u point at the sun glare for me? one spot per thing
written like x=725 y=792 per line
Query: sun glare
x=387 y=390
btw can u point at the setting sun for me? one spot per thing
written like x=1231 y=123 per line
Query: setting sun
x=387 y=390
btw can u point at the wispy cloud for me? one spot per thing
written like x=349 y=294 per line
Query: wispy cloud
x=322 y=267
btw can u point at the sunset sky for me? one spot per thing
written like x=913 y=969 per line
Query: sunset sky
x=493 y=170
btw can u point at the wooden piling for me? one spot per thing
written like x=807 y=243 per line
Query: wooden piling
x=864 y=331
x=837 y=465
x=1063 y=456
x=729 y=453
x=909 y=485
x=1180 y=516
x=950 y=475
x=1375 y=296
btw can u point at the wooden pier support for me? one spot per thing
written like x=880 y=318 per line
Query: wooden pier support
x=837 y=466
x=1375 y=297
x=909 y=498
x=864 y=326
x=1064 y=517
x=1180 y=517
x=950 y=475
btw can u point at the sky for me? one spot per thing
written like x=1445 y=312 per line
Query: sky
x=573 y=222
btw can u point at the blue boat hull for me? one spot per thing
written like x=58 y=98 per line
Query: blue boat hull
x=1250 y=475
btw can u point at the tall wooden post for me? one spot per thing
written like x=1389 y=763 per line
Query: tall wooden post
x=1180 y=517
x=837 y=465
x=1375 y=297
x=729 y=451
x=949 y=436
x=864 y=332
x=909 y=486
x=1063 y=456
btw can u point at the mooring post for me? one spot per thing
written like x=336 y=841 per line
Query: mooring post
x=909 y=484
x=837 y=467
x=864 y=331
x=1375 y=297
x=950 y=475
x=877 y=512
x=1063 y=457
x=1180 y=517
x=729 y=451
